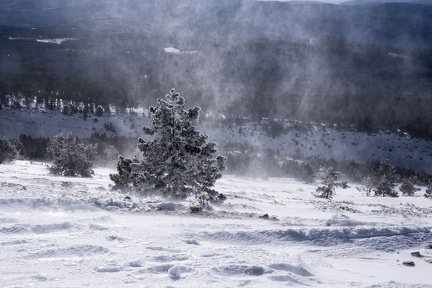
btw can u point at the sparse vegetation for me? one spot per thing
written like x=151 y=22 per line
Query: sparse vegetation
x=273 y=128
x=367 y=186
x=329 y=181
x=109 y=126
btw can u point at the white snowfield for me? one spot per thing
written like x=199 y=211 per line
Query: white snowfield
x=75 y=232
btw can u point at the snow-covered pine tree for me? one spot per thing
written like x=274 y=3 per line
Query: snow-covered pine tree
x=384 y=178
x=178 y=162
x=330 y=182
x=70 y=157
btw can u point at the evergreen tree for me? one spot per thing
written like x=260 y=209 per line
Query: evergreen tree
x=70 y=157
x=407 y=187
x=8 y=151
x=428 y=192
x=178 y=162
x=21 y=152
x=330 y=182
x=384 y=179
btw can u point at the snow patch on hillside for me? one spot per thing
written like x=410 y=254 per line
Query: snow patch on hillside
x=40 y=40
x=173 y=50
x=55 y=40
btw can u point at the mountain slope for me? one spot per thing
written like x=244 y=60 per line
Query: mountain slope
x=294 y=138
x=367 y=65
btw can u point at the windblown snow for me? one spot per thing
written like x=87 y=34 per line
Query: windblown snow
x=323 y=141
x=74 y=232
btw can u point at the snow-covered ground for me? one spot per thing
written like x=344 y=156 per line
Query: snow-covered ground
x=75 y=232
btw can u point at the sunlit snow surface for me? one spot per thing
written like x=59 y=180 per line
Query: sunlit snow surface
x=75 y=232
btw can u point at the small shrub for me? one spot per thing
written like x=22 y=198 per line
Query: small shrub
x=407 y=187
x=330 y=182
x=428 y=192
x=367 y=187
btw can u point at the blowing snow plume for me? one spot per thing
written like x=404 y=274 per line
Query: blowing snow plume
x=366 y=65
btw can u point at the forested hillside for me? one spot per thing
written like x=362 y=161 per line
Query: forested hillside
x=368 y=65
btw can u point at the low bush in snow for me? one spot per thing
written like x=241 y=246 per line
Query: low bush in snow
x=428 y=192
x=407 y=187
